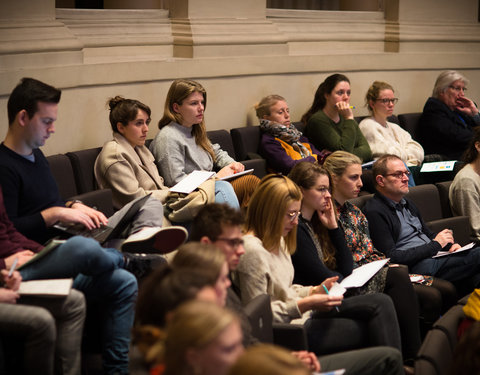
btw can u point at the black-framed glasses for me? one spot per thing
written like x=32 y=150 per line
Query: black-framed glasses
x=458 y=88
x=398 y=175
x=388 y=100
x=293 y=215
x=233 y=242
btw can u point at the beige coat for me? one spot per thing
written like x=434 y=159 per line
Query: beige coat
x=129 y=172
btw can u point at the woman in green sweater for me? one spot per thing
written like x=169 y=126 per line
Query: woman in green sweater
x=329 y=121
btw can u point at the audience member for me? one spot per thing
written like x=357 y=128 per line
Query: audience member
x=268 y=359
x=50 y=329
x=329 y=121
x=282 y=144
x=125 y=165
x=266 y=267
x=399 y=232
x=448 y=118
x=35 y=207
x=385 y=137
x=182 y=146
x=464 y=194
x=202 y=338
x=466 y=357
x=220 y=225
x=393 y=281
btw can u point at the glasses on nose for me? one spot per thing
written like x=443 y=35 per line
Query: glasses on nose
x=233 y=242
x=388 y=101
x=458 y=88
x=398 y=175
x=293 y=215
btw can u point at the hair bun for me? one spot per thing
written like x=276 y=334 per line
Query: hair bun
x=113 y=102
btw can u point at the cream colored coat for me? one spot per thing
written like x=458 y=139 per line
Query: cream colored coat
x=129 y=172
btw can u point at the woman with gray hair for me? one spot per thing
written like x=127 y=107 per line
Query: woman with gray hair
x=448 y=117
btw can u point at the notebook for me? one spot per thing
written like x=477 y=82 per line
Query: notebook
x=104 y=232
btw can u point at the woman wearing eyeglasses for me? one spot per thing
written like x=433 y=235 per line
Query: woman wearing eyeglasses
x=329 y=121
x=266 y=267
x=448 y=117
x=386 y=137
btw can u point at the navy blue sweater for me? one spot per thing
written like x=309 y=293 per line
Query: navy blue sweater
x=28 y=188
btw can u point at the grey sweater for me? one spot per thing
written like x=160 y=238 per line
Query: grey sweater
x=177 y=154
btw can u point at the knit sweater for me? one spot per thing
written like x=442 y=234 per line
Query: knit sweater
x=344 y=135
x=12 y=241
x=391 y=139
x=129 y=172
x=177 y=154
x=464 y=197
x=261 y=271
x=28 y=188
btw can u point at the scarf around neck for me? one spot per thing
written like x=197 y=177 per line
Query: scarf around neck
x=288 y=134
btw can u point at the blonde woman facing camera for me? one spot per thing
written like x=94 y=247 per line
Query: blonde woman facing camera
x=266 y=267
x=282 y=145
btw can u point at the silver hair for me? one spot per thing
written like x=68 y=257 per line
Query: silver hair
x=445 y=79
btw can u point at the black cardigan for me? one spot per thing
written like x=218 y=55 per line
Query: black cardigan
x=384 y=227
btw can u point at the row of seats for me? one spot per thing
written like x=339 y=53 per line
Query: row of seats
x=434 y=205
x=435 y=356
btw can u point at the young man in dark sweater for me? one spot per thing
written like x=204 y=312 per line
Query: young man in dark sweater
x=32 y=201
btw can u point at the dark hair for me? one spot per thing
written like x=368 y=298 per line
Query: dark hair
x=305 y=175
x=164 y=290
x=471 y=153
x=27 y=94
x=326 y=87
x=125 y=110
x=379 y=168
x=212 y=219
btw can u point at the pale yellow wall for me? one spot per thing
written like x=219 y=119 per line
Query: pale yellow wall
x=288 y=53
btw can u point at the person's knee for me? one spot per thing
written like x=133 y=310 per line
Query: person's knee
x=43 y=325
x=124 y=284
x=75 y=303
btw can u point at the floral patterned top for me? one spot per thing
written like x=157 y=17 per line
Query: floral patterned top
x=357 y=236
x=355 y=226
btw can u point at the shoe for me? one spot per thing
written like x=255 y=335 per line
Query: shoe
x=155 y=240
x=141 y=265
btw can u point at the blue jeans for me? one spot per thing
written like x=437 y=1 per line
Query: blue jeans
x=98 y=273
x=224 y=193
x=453 y=267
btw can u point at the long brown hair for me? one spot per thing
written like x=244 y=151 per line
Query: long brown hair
x=326 y=87
x=305 y=175
x=178 y=92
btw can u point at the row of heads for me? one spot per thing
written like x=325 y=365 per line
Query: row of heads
x=30 y=91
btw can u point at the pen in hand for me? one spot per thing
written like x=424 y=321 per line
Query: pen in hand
x=12 y=268
x=326 y=291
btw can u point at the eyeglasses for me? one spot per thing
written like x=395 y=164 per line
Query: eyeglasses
x=387 y=101
x=458 y=88
x=398 y=175
x=233 y=242
x=293 y=215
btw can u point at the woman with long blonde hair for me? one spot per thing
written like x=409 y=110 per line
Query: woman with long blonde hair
x=266 y=267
